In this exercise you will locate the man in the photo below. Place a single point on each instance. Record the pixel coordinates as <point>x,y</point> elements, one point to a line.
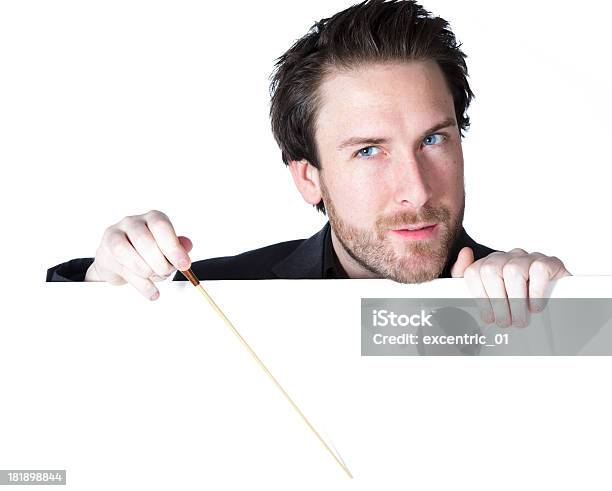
<point>368,109</point>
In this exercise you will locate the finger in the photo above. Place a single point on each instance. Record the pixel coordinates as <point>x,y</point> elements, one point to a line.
<point>143,241</point>
<point>123,252</point>
<point>474,283</point>
<point>541,272</point>
<point>516,279</point>
<point>155,278</point>
<point>166,239</point>
<point>493,281</point>
<point>144,285</point>
<point>186,243</point>
<point>108,269</point>
<point>464,259</point>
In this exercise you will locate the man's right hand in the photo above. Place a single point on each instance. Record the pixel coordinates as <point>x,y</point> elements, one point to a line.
<point>140,250</point>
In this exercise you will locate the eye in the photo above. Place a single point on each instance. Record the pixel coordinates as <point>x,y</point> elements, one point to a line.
<point>434,139</point>
<point>368,151</point>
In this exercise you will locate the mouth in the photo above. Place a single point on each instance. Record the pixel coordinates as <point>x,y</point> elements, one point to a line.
<point>417,231</point>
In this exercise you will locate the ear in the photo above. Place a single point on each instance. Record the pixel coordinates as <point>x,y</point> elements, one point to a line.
<point>306,179</point>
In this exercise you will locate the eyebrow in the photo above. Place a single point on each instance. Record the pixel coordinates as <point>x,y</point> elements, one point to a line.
<point>360,140</point>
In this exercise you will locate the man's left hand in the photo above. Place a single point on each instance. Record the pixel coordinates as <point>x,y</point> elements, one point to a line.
<point>516,280</point>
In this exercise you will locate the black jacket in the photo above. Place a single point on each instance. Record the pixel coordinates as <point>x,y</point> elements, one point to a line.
<point>295,259</point>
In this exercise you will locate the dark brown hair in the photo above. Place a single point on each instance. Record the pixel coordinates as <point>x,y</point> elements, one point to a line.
<point>372,31</point>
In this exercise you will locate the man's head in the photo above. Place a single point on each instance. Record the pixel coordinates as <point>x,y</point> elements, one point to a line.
<point>368,110</point>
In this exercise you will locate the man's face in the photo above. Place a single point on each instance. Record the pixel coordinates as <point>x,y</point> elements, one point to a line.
<point>391,162</point>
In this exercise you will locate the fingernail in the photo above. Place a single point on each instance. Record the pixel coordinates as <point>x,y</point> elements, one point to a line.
<point>155,296</point>
<point>502,322</point>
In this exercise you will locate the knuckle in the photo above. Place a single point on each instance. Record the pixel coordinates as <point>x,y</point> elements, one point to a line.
<point>115,242</point>
<point>518,250</point>
<point>156,222</point>
<point>489,269</point>
<point>471,273</point>
<point>512,270</point>
<point>167,270</point>
<point>146,271</point>
<point>156,215</point>
<point>130,221</point>
<point>116,249</point>
<point>162,269</point>
<point>108,231</point>
<point>538,267</point>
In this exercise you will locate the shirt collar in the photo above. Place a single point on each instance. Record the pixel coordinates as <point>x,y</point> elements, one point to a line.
<point>331,264</point>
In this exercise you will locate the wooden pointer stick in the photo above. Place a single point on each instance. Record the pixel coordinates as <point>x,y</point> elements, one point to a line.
<point>195,282</point>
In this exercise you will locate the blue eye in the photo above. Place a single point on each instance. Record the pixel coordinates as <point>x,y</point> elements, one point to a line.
<point>434,139</point>
<point>367,151</point>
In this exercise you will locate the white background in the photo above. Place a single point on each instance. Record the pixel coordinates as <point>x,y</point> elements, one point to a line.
<point>111,109</point>
<point>114,108</point>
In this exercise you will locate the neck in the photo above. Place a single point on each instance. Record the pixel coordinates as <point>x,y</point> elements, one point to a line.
<point>352,267</point>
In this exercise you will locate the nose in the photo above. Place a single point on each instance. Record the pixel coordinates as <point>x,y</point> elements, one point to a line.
<point>411,183</point>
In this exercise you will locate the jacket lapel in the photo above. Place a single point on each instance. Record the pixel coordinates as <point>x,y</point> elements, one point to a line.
<point>306,261</point>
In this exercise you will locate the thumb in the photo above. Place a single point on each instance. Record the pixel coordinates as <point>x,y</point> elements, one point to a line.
<point>464,259</point>
<point>186,243</point>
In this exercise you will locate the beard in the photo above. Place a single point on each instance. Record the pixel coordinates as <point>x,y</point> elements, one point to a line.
<point>409,261</point>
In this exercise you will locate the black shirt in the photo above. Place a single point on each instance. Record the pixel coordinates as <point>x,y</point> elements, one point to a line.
<point>331,264</point>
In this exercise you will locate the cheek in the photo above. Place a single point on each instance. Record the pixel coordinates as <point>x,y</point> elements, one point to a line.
<point>359,198</point>
<point>446,178</point>
<point>448,181</point>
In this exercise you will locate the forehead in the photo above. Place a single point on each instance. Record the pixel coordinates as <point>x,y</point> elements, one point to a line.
<point>410,94</point>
